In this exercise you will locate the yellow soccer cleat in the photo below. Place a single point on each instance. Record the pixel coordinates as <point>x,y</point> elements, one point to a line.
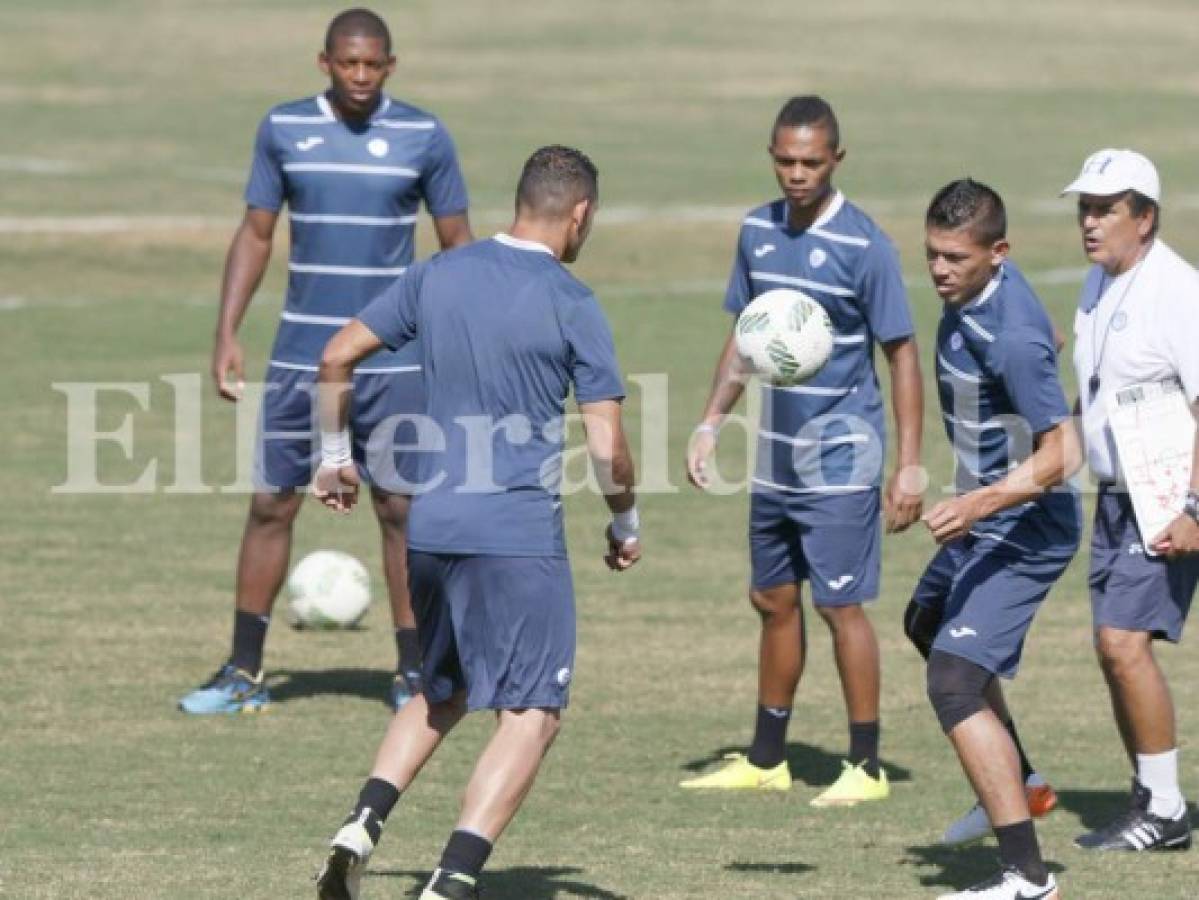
<point>854,787</point>
<point>742,775</point>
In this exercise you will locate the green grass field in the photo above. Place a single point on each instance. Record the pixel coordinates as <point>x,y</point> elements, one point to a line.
<point>127,131</point>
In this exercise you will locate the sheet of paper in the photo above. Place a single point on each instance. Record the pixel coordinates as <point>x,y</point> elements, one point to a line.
<point>1155,436</point>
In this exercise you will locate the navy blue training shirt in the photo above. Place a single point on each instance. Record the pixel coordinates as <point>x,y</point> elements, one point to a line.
<point>505,334</point>
<point>353,193</point>
<point>824,436</point>
<point>998,384</point>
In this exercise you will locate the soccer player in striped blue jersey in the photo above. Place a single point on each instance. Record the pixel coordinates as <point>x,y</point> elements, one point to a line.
<point>816,490</point>
<point>353,166</point>
<point>1010,531</point>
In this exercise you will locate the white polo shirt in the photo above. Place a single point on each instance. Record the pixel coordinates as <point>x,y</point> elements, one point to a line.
<point>1141,326</point>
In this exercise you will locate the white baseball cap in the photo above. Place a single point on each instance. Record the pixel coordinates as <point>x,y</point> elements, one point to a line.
<point>1110,172</point>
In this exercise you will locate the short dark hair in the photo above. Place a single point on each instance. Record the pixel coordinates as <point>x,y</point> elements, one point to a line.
<point>554,179</point>
<point>1139,204</point>
<point>969,204</point>
<point>358,22</point>
<point>808,109</point>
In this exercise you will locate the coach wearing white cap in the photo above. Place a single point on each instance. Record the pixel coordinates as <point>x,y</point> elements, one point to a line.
<point>1137,325</point>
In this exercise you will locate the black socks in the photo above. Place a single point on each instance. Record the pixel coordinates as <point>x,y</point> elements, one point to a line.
<point>375,803</point>
<point>863,746</point>
<point>249,636</point>
<point>769,747</point>
<point>407,650</point>
<point>1018,847</point>
<point>466,853</point>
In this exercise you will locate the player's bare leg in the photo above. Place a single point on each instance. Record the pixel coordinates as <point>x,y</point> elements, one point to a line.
<point>989,759</point>
<point>412,737</point>
<point>855,647</point>
<point>265,550</point>
<point>1140,695</point>
<point>506,769</point>
<point>392,512</point>
<point>782,648</point>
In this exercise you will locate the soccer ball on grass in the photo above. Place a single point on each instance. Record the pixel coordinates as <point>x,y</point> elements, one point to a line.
<point>328,589</point>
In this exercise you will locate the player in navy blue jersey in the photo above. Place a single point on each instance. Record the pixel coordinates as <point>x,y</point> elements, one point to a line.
<point>1011,528</point>
<point>506,334</point>
<point>816,499</point>
<point>353,166</point>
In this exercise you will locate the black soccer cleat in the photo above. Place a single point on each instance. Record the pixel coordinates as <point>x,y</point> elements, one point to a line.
<point>1139,830</point>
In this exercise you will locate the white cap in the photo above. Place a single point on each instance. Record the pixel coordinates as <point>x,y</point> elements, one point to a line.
<point>1110,172</point>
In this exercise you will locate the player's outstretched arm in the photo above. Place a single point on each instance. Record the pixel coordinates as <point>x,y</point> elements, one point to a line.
<point>336,481</point>
<point>245,263</point>
<point>728,383</point>
<point>613,464</point>
<point>903,498</point>
<point>1056,456</point>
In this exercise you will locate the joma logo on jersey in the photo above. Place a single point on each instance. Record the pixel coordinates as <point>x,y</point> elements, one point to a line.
<point>309,142</point>
<point>761,251</point>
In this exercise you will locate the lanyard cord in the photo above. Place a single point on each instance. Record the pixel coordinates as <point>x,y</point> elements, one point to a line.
<point>1097,355</point>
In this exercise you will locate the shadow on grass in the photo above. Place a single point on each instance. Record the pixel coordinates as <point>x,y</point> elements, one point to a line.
<point>292,684</point>
<point>808,763</point>
<point>959,867</point>
<point>517,883</point>
<point>1098,808</point>
<point>762,868</point>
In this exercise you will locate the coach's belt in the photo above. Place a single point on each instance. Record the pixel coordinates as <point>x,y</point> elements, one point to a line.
<point>1143,392</point>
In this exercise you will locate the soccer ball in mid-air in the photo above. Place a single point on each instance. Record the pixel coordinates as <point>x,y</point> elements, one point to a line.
<point>329,589</point>
<point>785,335</point>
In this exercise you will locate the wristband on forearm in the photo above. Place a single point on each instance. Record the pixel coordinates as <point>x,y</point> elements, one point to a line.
<point>335,449</point>
<point>626,526</point>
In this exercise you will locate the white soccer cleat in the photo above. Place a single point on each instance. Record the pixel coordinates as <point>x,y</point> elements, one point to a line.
<point>975,825</point>
<point>340,878</point>
<point>1008,885</point>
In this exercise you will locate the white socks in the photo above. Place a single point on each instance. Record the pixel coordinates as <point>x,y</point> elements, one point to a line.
<point>1159,773</point>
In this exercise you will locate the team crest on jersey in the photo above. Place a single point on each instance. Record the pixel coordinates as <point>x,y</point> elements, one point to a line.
<point>378,147</point>
<point>955,341</point>
<point>1119,320</point>
<point>817,258</point>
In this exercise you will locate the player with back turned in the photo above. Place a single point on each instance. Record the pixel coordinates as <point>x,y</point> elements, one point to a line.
<point>508,333</point>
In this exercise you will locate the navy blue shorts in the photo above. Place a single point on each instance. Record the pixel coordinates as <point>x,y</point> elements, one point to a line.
<point>986,594</point>
<point>288,450</point>
<point>501,628</point>
<point>1131,590</point>
<point>831,540</point>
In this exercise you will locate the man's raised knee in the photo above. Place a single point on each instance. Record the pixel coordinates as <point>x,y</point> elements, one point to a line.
<point>956,688</point>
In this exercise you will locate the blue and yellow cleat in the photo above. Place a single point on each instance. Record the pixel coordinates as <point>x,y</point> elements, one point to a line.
<point>231,690</point>
<point>404,687</point>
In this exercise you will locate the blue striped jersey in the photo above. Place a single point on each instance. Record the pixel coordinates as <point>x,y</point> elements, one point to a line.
<point>998,384</point>
<point>352,194</point>
<point>826,435</point>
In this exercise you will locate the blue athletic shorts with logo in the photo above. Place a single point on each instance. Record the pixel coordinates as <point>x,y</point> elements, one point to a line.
<point>1131,590</point>
<point>831,540</point>
<point>288,449</point>
<point>987,593</point>
<point>501,628</point>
